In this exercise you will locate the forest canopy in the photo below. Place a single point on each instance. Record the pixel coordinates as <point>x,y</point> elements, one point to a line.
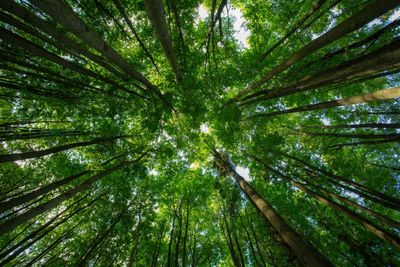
<point>199,133</point>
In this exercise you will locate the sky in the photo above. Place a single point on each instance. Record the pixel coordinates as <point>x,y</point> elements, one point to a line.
<point>241,32</point>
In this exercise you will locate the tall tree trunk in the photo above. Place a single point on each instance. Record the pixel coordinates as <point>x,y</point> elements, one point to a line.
<point>355,135</point>
<point>49,151</point>
<point>385,199</point>
<point>134,32</point>
<point>384,219</point>
<point>314,8</point>
<point>381,60</point>
<point>43,53</point>
<point>171,235</point>
<point>371,11</point>
<point>178,237</point>
<point>249,239</point>
<point>158,246</point>
<point>9,204</point>
<point>229,240</point>
<point>24,217</point>
<point>367,224</point>
<point>40,233</point>
<point>185,236</point>
<point>48,28</point>
<point>304,250</point>
<point>371,38</point>
<point>156,14</point>
<point>62,13</point>
<point>83,261</point>
<point>385,94</point>
<point>365,143</point>
<point>51,246</point>
<point>357,126</point>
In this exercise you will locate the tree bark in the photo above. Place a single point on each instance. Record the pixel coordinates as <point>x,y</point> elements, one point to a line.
<point>383,59</point>
<point>304,250</point>
<point>357,126</point>
<point>62,13</point>
<point>367,224</point>
<point>373,37</point>
<point>314,8</point>
<point>158,246</point>
<point>48,28</point>
<point>380,95</point>
<point>156,14</point>
<point>171,235</point>
<point>134,32</point>
<point>184,253</point>
<point>24,217</point>
<point>365,191</point>
<point>49,151</point>
<point>9,204</point>
<point>371,11</point>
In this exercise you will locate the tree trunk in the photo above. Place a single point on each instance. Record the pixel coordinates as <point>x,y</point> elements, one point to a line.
<point>171,235</point>
<point>61,12</point>
<point>43,53</point>
<point>366,143</point>
<point>98,239</point>
<point>314,8</point>
<point>9,204</point>
<point>373,37</point>
<point>357,126</point>
<point>49,151</point>
<point>394,202</point>
<point>371,11</point>
<point>135,34</point>
<point>383,59</point>
<point>367,224</point>
<point>156,14</point>
<point>355,135</point>
<point>48,28</point>
<point>178,238</point>
<point>24,217</point>
<point>39,233</point>
<point>184,253</point>
<point>158,246</point>
<point>385,94</point>
<point>304,250</point>
<point>384,219</point>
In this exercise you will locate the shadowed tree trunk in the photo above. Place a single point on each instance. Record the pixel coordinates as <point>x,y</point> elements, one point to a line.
<point>156,14</point>
<point>367,224</point>
<point>381,60</point>
<point>371,11</point>
<point>134,32</point>
<point>385,94</point>
<point>11,224</point>
<point>61,12</point>
<point>304,251</point>
<point>314,8</point>
<point>9,204</point>
<point>49,151</point>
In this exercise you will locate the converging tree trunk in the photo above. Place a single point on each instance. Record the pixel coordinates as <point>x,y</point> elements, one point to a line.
<point>49,151</point>
<point>156,14</point>
<point>305,252</point>
<point>385,94</point>
<point>371,11</point>
<point>11,224</point>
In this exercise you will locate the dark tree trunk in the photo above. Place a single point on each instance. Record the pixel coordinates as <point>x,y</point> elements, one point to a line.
<point>304,250</point>
<point>49,151</point>
<point>156,14</point>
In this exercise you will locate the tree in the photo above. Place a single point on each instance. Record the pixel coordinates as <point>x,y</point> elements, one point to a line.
<point>151,133</point>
